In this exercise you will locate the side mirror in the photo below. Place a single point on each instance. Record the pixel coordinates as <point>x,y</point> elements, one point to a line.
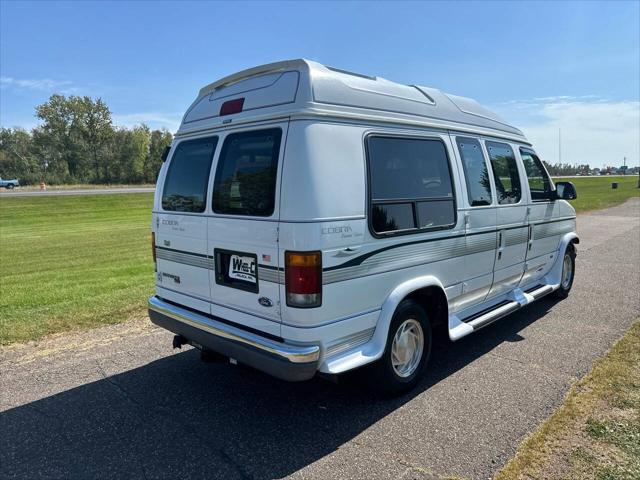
<point>566,191</point>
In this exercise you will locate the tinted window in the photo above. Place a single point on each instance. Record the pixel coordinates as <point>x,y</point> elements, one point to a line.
<point>539,182</point>
<point>408,168</point>
<point>431,214</point>
<point>410,184</point>
<point>185,187</point>
<point>392,216</point>
<point>505,173</point>
<point>245,182</point>
<point>475,172</point>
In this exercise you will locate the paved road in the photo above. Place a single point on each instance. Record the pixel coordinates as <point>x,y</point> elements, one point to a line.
<point>87,191</point>
<point>116,402</point>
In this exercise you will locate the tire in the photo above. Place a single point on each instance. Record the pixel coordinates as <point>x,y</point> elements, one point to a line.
<point>399,370</point>
<point>10,186</point>
<point>568,265</point>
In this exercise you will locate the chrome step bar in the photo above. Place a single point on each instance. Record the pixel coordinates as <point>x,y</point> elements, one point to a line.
<point>493,315</point>
<point>541,292</point>
<point>460,327</point>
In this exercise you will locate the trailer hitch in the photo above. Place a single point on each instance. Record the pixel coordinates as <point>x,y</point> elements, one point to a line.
<point>178,341</point>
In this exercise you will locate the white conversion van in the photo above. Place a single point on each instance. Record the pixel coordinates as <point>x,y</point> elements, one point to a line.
<point>309,219</point>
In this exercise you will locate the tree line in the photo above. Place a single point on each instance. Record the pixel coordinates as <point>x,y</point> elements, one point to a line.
<point>76,142</point>
<point>564,169</point>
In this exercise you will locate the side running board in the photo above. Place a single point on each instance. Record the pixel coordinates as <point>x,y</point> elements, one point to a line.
<point>541,292</point>
<point>461,327</point>
<point>492,315</point>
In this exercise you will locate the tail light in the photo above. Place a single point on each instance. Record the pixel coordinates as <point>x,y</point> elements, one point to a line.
<point>153,246</point>
<point>303,279</point>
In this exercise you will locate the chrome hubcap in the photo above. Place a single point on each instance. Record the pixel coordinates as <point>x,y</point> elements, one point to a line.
<point>407,348</point>
<point>567,271</point>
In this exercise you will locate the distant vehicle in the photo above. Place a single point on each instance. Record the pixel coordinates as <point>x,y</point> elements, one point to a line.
<point>9,184</point>
<point>308,219</point>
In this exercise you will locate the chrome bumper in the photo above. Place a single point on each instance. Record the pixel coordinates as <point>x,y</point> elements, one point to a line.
<point>282,360</point>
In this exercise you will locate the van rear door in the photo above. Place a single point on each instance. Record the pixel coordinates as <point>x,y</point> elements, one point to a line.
<point>243,229</point>
<point>181,224</point>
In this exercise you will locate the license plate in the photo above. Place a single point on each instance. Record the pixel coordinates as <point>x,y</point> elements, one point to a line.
<point>242,268</point>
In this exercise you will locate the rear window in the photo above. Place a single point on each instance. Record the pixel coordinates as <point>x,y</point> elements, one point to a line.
<point>245,182</point>
<point>185,187</point>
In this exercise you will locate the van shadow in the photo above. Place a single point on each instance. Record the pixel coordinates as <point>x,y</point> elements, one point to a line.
<point>179,417</point>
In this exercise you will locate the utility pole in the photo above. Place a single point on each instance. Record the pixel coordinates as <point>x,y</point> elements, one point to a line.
<point>559,148</point>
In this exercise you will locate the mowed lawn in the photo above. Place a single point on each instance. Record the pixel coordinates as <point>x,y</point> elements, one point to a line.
<point>80,261</point>
<point>596,192</point>
<point>72,262</point>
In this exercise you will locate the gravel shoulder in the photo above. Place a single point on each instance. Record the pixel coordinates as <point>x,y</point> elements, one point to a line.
<point>117,402</point>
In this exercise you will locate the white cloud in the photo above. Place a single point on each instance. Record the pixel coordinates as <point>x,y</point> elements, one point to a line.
<point>170,121</point>
<point>594,130</point>
<point>64,86</point>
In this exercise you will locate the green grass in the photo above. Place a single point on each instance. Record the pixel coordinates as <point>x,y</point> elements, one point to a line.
<point>595,434</point>
<point>85,186</point>
<point>596,192</point>
<point>80,261</point>
<point>72,262</point>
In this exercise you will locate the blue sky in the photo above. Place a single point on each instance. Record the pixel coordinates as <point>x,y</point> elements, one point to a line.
<point>542,66</point>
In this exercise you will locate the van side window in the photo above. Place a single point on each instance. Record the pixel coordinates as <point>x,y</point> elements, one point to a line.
<point>185,187</point>
<point>475,171</point>
<point>505,173</point>
<point>539,182</point>
<point>410,184</point>
<point>245,182</point>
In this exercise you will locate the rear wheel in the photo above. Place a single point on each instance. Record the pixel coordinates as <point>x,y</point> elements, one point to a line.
<point>406,353</point>
<point>10,186</point>
<point>568,272</point>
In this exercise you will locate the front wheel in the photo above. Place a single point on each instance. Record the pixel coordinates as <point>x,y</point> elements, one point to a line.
<point>406,353</point>
<point>568,272</point>
<point>10,186</point>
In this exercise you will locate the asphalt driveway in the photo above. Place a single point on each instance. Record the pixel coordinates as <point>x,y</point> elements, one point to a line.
<point>117,402</point>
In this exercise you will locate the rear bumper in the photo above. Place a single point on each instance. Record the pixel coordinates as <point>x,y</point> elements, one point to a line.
<point>282,360</point>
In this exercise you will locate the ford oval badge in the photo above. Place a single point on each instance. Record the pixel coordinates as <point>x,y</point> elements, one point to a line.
<point>265,302</point>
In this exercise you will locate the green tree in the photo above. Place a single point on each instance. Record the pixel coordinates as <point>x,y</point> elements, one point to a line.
<point>77,142</point>
<point>160,139</point>
<point>56,138</point>
<point>17,156</point>
<point>75,131</point>
<point>96,129</point>
<point>132,150</point>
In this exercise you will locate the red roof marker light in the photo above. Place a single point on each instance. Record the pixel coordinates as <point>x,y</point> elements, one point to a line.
<point>232,106</point>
